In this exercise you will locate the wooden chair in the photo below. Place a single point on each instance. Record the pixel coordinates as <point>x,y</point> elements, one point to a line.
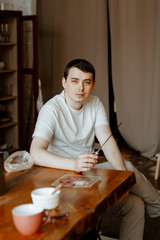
<point>157,166</point>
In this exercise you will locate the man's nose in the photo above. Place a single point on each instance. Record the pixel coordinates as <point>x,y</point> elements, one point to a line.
<point>80,85</point>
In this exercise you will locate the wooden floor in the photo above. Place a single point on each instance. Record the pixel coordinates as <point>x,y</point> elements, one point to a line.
<point>111,224</point>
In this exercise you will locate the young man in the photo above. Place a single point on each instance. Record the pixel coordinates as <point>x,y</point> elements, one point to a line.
<point>64,138</point>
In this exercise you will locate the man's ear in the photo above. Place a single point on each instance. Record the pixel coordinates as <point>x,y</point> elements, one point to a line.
<point>64,82</point>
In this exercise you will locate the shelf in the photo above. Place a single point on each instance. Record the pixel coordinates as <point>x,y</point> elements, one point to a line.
<point>7,98</point>
<point>5,146</point>
<point>10,80</point>
<point>8,124</point>
<point>9,44</point>
<point>7,71</point>
<point>10,149</point>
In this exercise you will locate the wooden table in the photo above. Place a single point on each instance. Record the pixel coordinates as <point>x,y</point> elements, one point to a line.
<point>86,206</point>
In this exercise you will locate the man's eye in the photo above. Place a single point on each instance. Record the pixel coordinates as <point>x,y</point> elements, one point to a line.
<point>74,81</point>
<point>87,82</point>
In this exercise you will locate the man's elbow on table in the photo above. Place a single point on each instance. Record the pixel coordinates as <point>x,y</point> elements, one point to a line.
<point>38,146</point>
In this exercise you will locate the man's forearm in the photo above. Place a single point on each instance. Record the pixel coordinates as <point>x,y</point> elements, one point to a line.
<point>45,158</point>
<point>113,155</point>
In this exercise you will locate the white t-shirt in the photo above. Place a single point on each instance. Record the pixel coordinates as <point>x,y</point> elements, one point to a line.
<point>70,132</point>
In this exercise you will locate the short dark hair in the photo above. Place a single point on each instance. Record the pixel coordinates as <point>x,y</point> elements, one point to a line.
<point>81,64</point>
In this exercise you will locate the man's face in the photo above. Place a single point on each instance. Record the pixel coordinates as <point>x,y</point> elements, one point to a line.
<point>78,87</point>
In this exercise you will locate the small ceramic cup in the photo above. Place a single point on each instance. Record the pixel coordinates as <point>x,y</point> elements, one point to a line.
<point>44,198</point>
<point>28,218</point>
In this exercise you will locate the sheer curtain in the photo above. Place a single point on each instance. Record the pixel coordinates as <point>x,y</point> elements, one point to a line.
<point>135,40</point>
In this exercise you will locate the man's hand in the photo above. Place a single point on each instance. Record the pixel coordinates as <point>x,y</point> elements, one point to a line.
<point>85,162</point>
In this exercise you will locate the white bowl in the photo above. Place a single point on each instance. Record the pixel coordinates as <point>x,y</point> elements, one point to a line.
<point>42,197</point>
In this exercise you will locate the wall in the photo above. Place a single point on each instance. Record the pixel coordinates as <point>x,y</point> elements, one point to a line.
<point>27,6</point>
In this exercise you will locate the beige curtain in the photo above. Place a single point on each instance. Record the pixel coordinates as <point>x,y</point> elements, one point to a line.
<point>135,41</point>
<point>71,29</point>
